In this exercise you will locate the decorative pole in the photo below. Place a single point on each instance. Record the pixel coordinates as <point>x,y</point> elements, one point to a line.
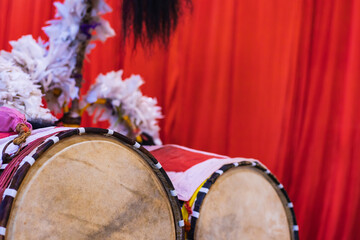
<point>81,41</point>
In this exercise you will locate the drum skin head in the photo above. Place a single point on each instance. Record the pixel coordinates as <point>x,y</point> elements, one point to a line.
<point>243,204</point>
<point>91,187</point>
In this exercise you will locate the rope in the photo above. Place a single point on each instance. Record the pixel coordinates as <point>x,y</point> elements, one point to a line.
<point>23,132</point>
<point>189,211</point>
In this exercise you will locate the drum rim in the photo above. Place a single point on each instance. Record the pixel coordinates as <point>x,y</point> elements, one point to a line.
<point>21,172</point>
<point>294,229</point>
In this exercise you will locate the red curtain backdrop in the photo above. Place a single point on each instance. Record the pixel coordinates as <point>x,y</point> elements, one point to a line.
<point>273,80</point>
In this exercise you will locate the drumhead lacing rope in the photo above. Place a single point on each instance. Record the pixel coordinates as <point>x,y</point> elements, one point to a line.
<point>11,167</point>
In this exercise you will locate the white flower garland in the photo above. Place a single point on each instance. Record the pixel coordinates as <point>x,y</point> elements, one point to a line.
<point>124,100</point>
<point>33,65</point>
<point>51,64</point>
<point>19,92</point>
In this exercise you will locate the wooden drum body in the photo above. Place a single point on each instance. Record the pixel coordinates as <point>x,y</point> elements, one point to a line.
<point>90,187</point>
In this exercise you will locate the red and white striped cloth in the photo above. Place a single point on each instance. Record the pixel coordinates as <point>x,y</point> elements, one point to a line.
<point>188,168</point>
<point>35,134</point>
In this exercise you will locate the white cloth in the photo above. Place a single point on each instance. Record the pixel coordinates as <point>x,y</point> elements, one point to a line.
<point>186,183</point>
<point>198,168</point>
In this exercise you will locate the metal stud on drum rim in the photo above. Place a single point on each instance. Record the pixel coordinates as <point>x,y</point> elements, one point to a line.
<point>159,185</point>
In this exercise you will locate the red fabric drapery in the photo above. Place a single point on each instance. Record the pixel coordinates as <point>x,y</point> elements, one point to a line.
<point>273,80</point>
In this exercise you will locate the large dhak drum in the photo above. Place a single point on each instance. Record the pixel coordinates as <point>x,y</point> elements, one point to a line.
<point>228,198</point>
<point>84,184</point>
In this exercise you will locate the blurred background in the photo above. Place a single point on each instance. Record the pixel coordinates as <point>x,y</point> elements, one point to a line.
<point>275,80</point>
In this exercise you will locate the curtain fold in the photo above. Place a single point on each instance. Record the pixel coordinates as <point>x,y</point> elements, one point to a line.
<point>273,80</point>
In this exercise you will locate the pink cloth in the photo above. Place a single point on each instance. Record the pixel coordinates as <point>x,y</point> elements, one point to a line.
<point>10,118</point>
<point>4,135</point>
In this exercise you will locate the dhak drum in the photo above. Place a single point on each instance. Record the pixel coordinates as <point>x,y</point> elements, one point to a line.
<point>85,184</point>
<point>228,198</point>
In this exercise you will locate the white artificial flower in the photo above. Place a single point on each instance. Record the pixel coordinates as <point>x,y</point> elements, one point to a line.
<point>126,100</point>
<point>19,92</point>
<point>51,64</point>
<point>50,68</point>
